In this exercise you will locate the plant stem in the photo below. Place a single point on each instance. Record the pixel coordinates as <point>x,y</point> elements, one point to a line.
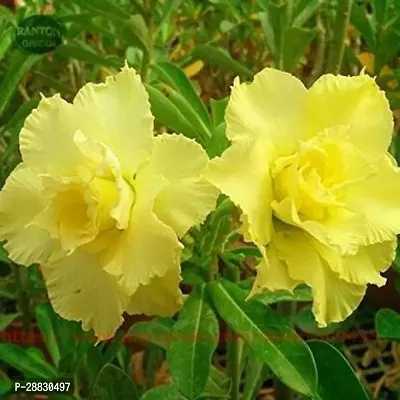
<point>337,45</point>
<point>234,346</point>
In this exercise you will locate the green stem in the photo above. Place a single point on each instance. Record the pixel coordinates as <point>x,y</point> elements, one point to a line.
<point>234,345</point>
<point>337,45</point>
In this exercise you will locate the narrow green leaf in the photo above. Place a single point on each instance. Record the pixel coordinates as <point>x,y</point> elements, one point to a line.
<point>305,321</point>
<point>360,20</point>
<point>180,102</point>
<point>256,372</point>
<point>268,31</point>
<point>218,108</point>
<point>7,14</point>
<point>167,11</point>
<point>300,294</point>
<point>6,319</point>
<point>6,384</point>
<point>387,48</point>
<point>387,324</point>
<point>195,338</point>
<point>218,142</point>
<point>380,9</point>
<point>107,8</point>
<point>220,58</point>
<point>168,114</point>
<point>46,319</point>
<point>136,33</point>
<point>6,40</point>
<point>336,379</point>
<point>3,254</point>
<point>305,10</point>
<point>21,360</point>
<point>157,331</point>
<point>53,83</point>
<point>275,342</point>
<point>162,392</point>
<point>82,54</point>
<point>295,44</point>
<point>19,68</point>
<point>176,78</point>
<point>113,383</point>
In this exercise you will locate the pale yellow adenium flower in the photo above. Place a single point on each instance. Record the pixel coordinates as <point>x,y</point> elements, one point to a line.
<point>320,194</point>
<point>100,203</point>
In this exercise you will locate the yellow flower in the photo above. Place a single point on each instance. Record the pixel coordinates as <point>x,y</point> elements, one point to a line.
<point>101,203</point>
<point>319,194</point>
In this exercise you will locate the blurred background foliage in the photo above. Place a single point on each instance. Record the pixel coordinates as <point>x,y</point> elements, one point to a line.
<point>188,53</point>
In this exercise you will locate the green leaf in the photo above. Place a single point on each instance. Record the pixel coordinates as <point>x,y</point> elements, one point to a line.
<point>218,108</point>
<point>21,360</point>
<point>218,142</point>
<point>387,324</point>
<point>180,102</point>
<point>53,83</point>
<point>6,40</point>
<point>6,319</point>
<point>304,11</point>
<point>168,114</point>
<point>90,56</point>
<point>336,379</point>
<point>158,332</point>
<point>360,20</point>
<point>387,48</point>
<point>295,43</point>
<point>47,321</point>
<point>6,385</point>
<point>220,58</point>
<point>194,340</point>
<point>3,254</point>
<point>300,293</point>
<point>268,31</point>
<point>256,372</point>
<point>268,335</point>
<point>167,11</point>
<point>306,322</point>
<point>161,393</point>
<point>113,383</point>
<point>176,78</point>
<point>16,71</point>
<point>106,8</point>
<point>380,9</point>
<point>136,33</point>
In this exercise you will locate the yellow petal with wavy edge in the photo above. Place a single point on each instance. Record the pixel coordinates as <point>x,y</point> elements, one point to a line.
<point>363,267</point>
<point>21,201</point>
<point>377,199</point>
<point>80,290</point>
<point>271,106</point>
<point>117,114</point>
<point>161,296</point>
<point>147,248</point>
<point>47,138</point>
<point>242,174</point>
<point>272,274</point>
<point>187,198</point>
<point>334,298</point>
<point>356,102</point>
